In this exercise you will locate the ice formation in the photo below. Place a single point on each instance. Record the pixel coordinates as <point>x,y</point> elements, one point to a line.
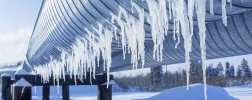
<point>211,7</point>
<point>159,25</point>
<point>132,33</point>
<point>89,50</point>
<point>224,15</point>
<point>201,10</point>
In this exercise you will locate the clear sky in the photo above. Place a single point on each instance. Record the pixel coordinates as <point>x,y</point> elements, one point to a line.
<point>17,18</point>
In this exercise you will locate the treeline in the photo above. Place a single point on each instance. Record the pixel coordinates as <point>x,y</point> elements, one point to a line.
<point>157,79</point>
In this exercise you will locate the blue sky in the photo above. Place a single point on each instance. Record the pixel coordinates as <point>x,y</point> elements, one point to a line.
<point>16,14</point>
<point>17,18</point>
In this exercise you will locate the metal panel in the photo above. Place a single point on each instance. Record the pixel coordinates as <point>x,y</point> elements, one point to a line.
<point>61,21</point>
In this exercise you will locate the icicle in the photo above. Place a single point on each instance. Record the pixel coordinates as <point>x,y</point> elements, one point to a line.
<point>159,25</point>
<point>224,15</point>
<point>211,7</point>
<point>200,10</point>
<point>170,9</point>
<point>230,4</point>
<point>132,33</point>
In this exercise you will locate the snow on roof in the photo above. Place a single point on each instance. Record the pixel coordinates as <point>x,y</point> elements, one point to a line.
<point>21,72</point>
<point>22,82</point>
<point>5,74</point>
<point>111,82</point>
<point>195,92</point>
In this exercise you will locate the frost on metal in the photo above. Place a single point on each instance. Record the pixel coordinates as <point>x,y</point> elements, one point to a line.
<point>87,51</point>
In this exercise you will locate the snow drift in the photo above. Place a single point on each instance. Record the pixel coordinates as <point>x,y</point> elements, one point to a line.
<point>195,92</point>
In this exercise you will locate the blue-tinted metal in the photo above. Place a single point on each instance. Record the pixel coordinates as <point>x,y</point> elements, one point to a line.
<point>61,21</point>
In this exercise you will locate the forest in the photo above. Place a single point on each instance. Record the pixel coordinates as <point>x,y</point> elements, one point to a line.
<point>223,75</point>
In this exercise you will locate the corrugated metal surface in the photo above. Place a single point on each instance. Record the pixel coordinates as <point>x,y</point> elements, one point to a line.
<point>61,21</point>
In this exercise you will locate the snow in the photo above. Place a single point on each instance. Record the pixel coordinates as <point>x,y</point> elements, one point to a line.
<point>22,82</point>
<point>195,93</point>
<point>21,72</point>
<point>111,82</point>
<point>89,92</point>
<point>240,92</point>
<point>5,74</point>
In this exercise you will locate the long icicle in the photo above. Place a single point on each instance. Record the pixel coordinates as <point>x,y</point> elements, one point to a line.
<point>201,12</point>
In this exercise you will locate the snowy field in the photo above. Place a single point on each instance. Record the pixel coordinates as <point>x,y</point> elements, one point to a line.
<point>195,92</point>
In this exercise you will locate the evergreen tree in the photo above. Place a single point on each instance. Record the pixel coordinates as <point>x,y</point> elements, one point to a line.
<point>227,70</point>
<point>239,71</point>
<point>210,71</point>
<point>184,75</point>
<point>245,68</point>
<point>232,70</point>
<point>156,74</point>
<point>219,68</point>
<point>193,70</point>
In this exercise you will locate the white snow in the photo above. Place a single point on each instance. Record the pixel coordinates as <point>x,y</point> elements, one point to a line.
<point>22,82</point>
<point>21,72</point>
<point>111,82</point>
<point>5,74</point>
<point>195,93</point>
<point>240,92</point>
<point>179,93</point>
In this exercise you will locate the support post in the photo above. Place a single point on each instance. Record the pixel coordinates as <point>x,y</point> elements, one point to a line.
<point>46,92</point>
<point>22,90</point>
<point>65,92</point>
<point>104,93</point>
<point>6,86</point>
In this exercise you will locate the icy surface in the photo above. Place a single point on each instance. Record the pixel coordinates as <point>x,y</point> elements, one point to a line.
<point>22,82</point>
<point>21,72</point>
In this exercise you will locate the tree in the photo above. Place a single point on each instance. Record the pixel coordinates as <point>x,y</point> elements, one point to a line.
<point>232,70</point>
<point>156,74</point>
<point>195,70</point>
<point>210,71</point>
<point>239,71</point>
<point>219,68</point>
<point>246,69</point>
<point>227,69</point>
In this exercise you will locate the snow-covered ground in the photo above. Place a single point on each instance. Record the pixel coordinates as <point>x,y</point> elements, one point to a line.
<point>195,92</point>
<point>240,92</point>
